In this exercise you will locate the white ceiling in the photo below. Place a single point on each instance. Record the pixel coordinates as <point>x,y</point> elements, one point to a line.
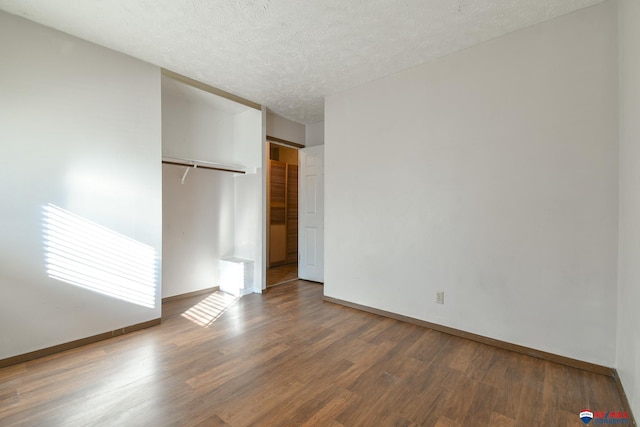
<point>289,54</point>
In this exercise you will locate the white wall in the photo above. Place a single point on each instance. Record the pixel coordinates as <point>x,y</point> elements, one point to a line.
<point>628,342</point>
<point>198,216</point>
<point>195,124</point>
<point>249,193</point>
<point>214,214</point>
<point>490,174</point>
<point>80,129</point>
<point>248,139</point>
<point>198,228</point>
<point>282,128</point>
<point>314,134</point>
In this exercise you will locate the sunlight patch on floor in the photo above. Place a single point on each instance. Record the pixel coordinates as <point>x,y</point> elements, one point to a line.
<point>209,309</point>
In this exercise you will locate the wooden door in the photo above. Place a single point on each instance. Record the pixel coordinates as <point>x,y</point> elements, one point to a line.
<point>292,213</point>
<point>277,213</point>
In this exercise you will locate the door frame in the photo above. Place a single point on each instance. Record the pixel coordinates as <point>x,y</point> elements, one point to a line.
<point>266,217</point>
<point>311,221</point>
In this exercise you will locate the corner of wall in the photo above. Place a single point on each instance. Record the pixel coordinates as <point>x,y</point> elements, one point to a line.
<point>628,318</point>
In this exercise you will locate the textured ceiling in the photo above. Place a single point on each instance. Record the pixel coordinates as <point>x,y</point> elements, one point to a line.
<point>289,54</point>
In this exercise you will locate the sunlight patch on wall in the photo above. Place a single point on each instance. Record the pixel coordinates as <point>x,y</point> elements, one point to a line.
<point>209,309</point>
<point>88,255</point>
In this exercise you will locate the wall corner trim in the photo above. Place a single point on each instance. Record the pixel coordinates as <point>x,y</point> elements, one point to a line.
<point>567,361</point>
<point>207,88</point>
<point>623,396</point>
<point>21,358</point>
<point>206,291</point>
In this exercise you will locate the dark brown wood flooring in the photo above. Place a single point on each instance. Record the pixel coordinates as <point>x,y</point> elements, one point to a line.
<point>287,358</point>
<point>281,274</point>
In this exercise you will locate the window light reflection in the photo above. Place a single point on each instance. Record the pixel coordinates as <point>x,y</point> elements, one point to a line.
<point>88,255</point>
<point>209,309</point>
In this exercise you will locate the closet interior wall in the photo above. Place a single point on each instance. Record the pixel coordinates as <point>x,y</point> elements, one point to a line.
<point>212,214</point>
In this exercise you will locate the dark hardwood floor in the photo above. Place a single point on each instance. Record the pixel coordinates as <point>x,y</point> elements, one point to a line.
<point>281,274</point>
<point>286,358</point>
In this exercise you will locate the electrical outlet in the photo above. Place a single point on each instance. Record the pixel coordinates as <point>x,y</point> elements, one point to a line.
<point>440,297</point>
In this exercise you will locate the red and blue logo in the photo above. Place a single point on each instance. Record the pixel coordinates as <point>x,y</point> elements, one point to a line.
<point>602,417</point>
<point>586,416</point>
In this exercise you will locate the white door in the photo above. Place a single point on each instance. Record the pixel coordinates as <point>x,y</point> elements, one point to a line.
<point>311,214</point>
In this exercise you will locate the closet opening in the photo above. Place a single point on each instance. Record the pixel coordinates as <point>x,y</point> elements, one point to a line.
<point>212,183</point>
<point>282,214</point>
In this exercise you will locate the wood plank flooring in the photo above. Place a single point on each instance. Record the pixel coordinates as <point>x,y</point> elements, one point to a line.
<point>281,274</point>
<point>286,358</point>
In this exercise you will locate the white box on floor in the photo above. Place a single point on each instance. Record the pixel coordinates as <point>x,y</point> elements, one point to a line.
<point>236,276</point>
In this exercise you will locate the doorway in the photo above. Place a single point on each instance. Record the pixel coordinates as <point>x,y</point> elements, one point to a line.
<point>282,215</point>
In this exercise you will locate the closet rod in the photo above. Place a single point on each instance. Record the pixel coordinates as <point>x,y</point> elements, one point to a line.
<point>199,165</point>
